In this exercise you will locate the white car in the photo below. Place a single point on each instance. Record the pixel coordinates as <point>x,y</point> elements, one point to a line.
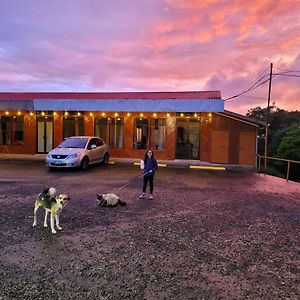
<point>78,152</point>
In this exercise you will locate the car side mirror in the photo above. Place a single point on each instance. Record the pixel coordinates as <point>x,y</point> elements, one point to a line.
<point>93,146</point>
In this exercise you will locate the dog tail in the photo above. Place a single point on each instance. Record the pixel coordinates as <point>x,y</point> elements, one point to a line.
<point>122,203</point>
<point>52,191</point>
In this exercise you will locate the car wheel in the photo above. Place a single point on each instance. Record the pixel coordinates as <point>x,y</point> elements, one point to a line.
<point>84,163</point>
<point>105,159</point>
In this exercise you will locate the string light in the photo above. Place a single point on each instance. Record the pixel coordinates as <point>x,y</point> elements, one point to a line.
<point>43,114</point>
<point>182,115</point>
<point>31,113</point>
<point>78,114</point>
<point>195,115</point>
<point>128,114</point>
<point>103,114</point>
<point>66,113</point>
<point>19,113</point>
<point>209,115</point>
<point>7,113</point>
<point>116,114</point>
<point>141,115</point>
<point>91,114</point>
<point>155,114</point>
<point>168,115</point>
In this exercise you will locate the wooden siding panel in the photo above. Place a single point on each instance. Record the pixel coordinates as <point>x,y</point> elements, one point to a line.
<point>58,129</point>
<point>205,138</point>
<point>89,128</point>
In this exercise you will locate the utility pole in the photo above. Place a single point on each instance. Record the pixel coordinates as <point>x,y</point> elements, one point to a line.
<point>268,117</point>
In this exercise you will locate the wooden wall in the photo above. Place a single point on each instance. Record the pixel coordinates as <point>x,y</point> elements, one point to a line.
<point>129,151</point>
<point>29,145</point>
<point>240,148</point>
<point>214,130</point>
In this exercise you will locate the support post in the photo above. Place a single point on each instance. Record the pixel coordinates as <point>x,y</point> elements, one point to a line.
<point>268,117</point>
<point>288,171</point>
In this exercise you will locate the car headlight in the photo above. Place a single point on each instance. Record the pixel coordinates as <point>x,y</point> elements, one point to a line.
<point>48,155</point>
<point>73,155</point>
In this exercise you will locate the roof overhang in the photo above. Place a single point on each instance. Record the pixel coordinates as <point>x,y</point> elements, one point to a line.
<point>121,105</point>
<point>242,118</point>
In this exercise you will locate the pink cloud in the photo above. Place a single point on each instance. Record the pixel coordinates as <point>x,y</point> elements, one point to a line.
<point>152,45</point>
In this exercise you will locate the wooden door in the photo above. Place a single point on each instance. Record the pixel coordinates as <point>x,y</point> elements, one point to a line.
<point>219,146</point>
<point>247,148</point>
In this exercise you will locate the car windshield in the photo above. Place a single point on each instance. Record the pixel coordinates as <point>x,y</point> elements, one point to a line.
<point>74,143</point>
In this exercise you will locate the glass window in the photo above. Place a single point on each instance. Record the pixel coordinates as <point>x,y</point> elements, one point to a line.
<point>159,134</point>
<point>111,130</point>
<point>73,126</point>
<point>11,130</point>
<point>117,133</point>
<point>141,133</point>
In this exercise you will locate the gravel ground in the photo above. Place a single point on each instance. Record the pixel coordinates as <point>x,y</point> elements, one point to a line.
<point>206,235</point>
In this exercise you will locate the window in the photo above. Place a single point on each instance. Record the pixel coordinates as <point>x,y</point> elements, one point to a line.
<point>11,130</point>
<point>141,133</point>
<point>159,134</point>
<point>111,130</point>
<point>73,126</point>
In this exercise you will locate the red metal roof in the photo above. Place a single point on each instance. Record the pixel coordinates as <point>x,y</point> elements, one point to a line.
<point>111,95</point>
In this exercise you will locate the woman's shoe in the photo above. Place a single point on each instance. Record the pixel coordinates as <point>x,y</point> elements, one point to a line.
<point>151,197</point>
<point>142,195</point>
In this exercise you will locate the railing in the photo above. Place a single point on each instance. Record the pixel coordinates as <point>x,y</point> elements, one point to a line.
<point>276,158</point>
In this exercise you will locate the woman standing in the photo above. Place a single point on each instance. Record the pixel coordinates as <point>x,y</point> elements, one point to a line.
<point>149,165</point>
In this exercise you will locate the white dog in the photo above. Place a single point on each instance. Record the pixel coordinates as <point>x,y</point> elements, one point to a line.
<point>109,200</point>
<point>51,203</point>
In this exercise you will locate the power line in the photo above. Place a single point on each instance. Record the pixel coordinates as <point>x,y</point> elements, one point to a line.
<point>287,75</point>
<point>288,71</point>
<point>251,88</point>
<point>256,85</point>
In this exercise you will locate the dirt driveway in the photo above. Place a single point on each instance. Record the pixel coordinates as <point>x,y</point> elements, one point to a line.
<point>206,235</point>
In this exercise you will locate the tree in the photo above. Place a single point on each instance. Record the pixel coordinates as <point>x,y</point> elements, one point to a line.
<point>289,148</point>
<point>279,120</point>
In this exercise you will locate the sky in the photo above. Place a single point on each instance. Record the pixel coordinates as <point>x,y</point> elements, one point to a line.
<point>154,45</point>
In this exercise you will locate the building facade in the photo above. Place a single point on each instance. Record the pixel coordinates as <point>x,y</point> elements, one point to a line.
<point>176,125</point>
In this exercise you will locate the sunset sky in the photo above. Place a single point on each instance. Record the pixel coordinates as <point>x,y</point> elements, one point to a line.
<point>153,45</point>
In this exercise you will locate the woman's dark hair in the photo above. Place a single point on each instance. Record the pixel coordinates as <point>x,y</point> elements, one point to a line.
<point>146,154</point>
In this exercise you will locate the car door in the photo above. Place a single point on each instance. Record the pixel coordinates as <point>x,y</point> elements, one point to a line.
<point>92,151</point>
<point>100,149</point>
